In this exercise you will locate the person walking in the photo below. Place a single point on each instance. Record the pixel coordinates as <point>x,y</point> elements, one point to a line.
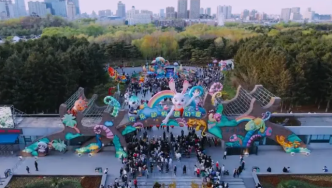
<point>184,169</point>
<point>225,154</point>
<point>234,173</point>
<point>223,169</point>
<point>135,183</point>
<point>36,165</point>
<point>241,159</point>
<point>28,169</point>
<point>174,169</point>
<point>242,165</point>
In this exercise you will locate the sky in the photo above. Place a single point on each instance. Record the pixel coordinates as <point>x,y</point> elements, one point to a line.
<point>267,6</point>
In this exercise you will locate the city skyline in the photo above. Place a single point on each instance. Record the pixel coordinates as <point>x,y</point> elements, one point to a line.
<point>319,6</point>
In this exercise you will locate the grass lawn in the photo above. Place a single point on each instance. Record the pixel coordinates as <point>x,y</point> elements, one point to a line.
<point>296,181</point>
<point>53,181</point>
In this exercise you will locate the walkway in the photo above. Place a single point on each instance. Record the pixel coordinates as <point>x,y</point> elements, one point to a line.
<point>71,164</point>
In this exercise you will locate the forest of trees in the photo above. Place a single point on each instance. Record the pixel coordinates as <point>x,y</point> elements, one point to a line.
<point>294,61</point>
<point>295,65</point>
<point>36,76</point>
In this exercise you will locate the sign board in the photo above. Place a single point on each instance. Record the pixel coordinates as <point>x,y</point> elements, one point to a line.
<point>11,131</point>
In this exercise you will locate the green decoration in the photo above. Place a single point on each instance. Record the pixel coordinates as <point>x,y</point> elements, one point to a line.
<point>70,136</point>
<point>128,130</point>
<point>119,152</point>
<point>59,145</point>
<point>69,120</point>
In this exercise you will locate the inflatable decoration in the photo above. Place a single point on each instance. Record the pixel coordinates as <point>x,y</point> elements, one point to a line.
<point>113,73</point>
<point>133,103</point>
<point>179,100</point>
<point>216,87</point>
<point>111,101</point>
<point>79,106</point>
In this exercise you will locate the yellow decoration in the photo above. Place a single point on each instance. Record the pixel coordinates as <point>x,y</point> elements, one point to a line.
<point>199,124</point>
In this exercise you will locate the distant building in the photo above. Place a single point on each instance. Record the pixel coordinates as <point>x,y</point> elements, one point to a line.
<point>170,13</point>
<point>20,9</point>
<point>182,9</point>
<point>309,15</point>
<point>77,6</point>
<point>38,8</point>
<point>71,10</point>
<point>121,12</point>
<point>208,11</point>
<point>195,6</point>
<point>162,13</point>
<point>226,11</point>
<point>201,11</point>
<point>57,7</point>
<point>7,9</point>
<point>285,14</point>
<point>295,16</point>
<point>244,14</point>
<point>296,10</point>
<point>135,17</point>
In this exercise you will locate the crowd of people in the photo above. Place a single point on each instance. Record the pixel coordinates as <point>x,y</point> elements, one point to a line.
<point>152,84</point>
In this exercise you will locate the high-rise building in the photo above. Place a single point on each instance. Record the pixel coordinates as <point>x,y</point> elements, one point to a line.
<point>162,13</point>
<point>135,17</point>
<point>7,9</point>
<point>71,10</point>
<point>37,9</point>
<point>201,11</point>
<point>296,10</point>
<point>121,12</point>
<point>170,12</point>
<point>309,14</point>
<point>20,8</point>
<point>285,14</point>
<point>195,6</point>
<point>208,11</point>
<point>244,14</point>
<point>57,7</point>
<point>226,11</point>
<point>77,6</point>
<point>182,9</point>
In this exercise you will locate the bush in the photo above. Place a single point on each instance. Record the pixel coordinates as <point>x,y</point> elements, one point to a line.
<point>296,184</point>
<point>39,185</point>
<point>69,184</point>
<point>156,185</point>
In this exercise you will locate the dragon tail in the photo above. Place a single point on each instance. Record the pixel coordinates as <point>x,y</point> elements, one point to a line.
<point>247,137</point>
<point>252,139</point>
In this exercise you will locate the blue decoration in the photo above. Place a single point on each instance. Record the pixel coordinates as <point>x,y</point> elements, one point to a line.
<point>108,123</point>
<point>193,89</point>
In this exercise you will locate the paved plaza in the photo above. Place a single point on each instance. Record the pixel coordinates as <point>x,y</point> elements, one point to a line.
<point>70,164</point>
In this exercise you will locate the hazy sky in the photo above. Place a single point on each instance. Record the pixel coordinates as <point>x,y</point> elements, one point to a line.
<point>267,6</point>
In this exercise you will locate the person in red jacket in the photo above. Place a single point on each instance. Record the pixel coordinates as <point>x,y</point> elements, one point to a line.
<point>198,172</point>
<point>135,183</point>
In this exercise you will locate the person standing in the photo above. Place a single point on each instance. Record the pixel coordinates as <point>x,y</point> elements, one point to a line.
<point>223,169</point>
<point>241,159</point>
<point>242,165</point>
<point>135,183</point>
<point>184,169</point>
<point>28,169</point>
<point>225,154</point>
<point>174,169</point>
<point>36,165</point>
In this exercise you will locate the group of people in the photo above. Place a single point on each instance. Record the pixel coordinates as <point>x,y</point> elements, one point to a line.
<point>152,84</point>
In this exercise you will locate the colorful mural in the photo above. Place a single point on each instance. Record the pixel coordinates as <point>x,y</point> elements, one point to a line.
<point>199,108</point>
